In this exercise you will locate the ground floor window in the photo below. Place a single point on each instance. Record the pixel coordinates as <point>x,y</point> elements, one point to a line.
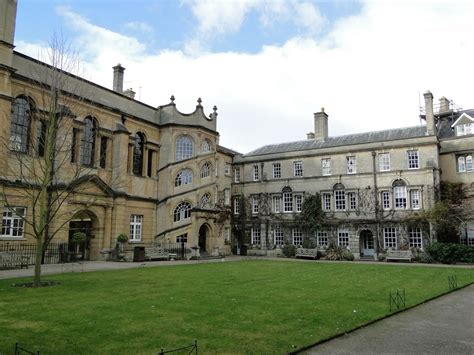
<point>183,238</point>
<point>136,227</point>
<point>256,236</point>
<point>416,238</point>
<point>467,236</point>
<point>278,238</point>
<point>343,238</point>
<point>297,237</point>
<point>227,235</point>
<point>322,239</point>
<point>389,238</point>
<point>12,222</point>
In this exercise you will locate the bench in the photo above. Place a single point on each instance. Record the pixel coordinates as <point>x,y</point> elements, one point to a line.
<point>154,253</point>
<point>399,255</point>
<point>306,253</point>
<point>12,260</point>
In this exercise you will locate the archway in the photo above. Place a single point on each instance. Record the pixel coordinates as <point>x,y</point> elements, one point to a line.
<point>203,235</point>
<point>367,245</point>
<point>84,222</point>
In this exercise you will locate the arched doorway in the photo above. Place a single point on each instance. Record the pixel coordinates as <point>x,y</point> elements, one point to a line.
<point>367,245</point>
<point>203,235</point>
<point>83,222</point>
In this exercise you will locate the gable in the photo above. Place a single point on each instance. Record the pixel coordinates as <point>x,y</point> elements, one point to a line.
<point>463,119</point>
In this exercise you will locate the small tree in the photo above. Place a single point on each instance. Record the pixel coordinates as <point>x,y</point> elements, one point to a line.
<point>312,216</point>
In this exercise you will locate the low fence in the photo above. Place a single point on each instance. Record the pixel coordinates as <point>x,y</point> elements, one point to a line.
<point>180,249</point>
<point>56,252</point>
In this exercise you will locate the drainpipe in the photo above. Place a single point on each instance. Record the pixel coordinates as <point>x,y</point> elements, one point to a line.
<point>376,201</point>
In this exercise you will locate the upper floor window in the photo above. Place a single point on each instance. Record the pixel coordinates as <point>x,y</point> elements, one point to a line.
<point>385,197</point>
<point>227,169</point>
<point>327,201</point>
<point>384,162</point>
<point>339,197</point>
<point>352,200</point>
<point>20,124</point>
<point>236,205</point>
<point>255,172</point>
<point>205,170</point>
<point>184,148</point>
<point>206,146</point>
<point>182,211</point>
<point>287,201</point>
<point>13,222</point>
<point>205,201</point>
<point>298,168</point>
<point>326,166</point>
<point>138,154</point>
<point>415,199</point>
<point>237,175</point>
<point>413,159</point>
<point>400,194</point>
<point>276,204</point>
<point>465,163</point>
<point>276,170</point>
<point>226,197</point>
<point>351,164</point>
<point>41,129</point>
<point>88,141</point>
<point>464,129</point>
<point>184,177</point>
<point>255,205</point>
<point>299,203</point>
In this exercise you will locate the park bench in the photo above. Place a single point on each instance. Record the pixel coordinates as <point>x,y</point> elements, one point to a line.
<point>12,260</point>
<point>306,253</point>
<point>157,253</point>
<point>399,255</point>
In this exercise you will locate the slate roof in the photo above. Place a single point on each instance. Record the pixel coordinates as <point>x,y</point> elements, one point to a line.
<point>351,139</point>
<point>444,126</point>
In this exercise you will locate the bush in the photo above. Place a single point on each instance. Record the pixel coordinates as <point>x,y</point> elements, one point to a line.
<point>425,258</point>
<point>122,238</point>
<point>338,253</point>
<point>450,253</point>
<point>289,250</point>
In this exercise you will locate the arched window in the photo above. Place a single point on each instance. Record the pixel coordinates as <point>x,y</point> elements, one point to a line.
<point>20,124</point>
<point>287,199</point>
<point>138,154</point>
<point>182,211</point>
<point>184,177</point>
<point>206,146</point>
<point>339,197</point>
<point>184,148</point>
<point>469,166</point>
<point>461,164</point>
<point>88,141</point>
<point>205,170</point>
<point>400,194</point>
<point>205,201</point>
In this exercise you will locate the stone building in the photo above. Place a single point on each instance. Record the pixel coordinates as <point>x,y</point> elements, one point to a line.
<point>371,184</point>
<point>152,173</point>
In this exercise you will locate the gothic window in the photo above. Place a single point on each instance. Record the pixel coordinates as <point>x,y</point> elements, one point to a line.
<point>20,124</point>
<point>184,148</point>
<point>184,177</point>
<point>205,170</point>
<point>206,146</point>
<point>88,141</point>
<point>182,211</point>
<point>206,200</point>
<point>138,154</point>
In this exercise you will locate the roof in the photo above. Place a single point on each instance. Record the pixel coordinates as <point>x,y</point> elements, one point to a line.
<point>445,125</point>
<point>226,150</point>
<point>351,139</point>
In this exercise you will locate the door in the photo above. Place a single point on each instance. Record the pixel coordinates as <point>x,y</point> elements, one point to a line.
<point>202,238</point>
<point>368,244</point>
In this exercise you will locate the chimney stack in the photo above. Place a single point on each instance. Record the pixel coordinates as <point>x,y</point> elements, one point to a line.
<point>430,120</point>
<point>321,125</point>
<point>130,93</point>
<point>443,105</point>
<point>7,21</point>
<point>118,78</point>
<point>310,135</point>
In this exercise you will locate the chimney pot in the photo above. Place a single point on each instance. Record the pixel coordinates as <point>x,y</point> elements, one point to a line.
<point>310,135</point>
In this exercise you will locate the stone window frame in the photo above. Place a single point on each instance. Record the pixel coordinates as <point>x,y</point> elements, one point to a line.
<point>255,204</point>
<point>22,112</point>
<point>276,170</point>
<point>136,227</point>
<point>415,238</point>
<point>297,236</point>
<point>413,159</point>
<point>255,172</point>
<point>351,162</point>
<point>237,174</point>
<point>184,177</point>
<point>384,162</point>
<point>182,211</point>
<point>13,222</point>
<point>297,168</point>
<point>278,235</point>
<point>184,147</point>
<point>343,237</point>
<point>390,237</point>
<point>256,235</point>
<point>326,167</point>
<point>236,205</point>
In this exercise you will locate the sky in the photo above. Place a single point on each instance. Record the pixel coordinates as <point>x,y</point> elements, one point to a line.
<point>269,65</point>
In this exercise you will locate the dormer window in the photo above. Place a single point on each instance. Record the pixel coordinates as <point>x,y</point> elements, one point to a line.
<point>464,125</point>
<point>464,129</point>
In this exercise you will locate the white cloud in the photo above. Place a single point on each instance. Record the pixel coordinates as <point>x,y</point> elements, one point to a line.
<point>367,72</point>
<point>139,26</point>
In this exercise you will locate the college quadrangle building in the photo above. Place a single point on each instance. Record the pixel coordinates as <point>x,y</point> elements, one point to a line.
<point>160,176</point>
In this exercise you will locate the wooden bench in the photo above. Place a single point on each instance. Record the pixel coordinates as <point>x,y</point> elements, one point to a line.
<point>12,260</point>
<point>306,253</point>
<point>158,253</point>
<point>399,255</point>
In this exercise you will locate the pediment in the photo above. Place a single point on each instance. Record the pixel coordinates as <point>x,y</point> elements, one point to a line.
<point>92,184</point>
<point>463,119</point>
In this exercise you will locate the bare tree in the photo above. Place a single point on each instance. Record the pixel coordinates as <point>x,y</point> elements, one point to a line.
<point>44,173</point>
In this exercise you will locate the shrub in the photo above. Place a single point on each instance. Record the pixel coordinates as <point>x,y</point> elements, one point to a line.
<point>338,253</point>
<point>425,258</point>
<point>122,238</point>
<point>79,237</point>
<point>289,250</point>
<point>450,253</point>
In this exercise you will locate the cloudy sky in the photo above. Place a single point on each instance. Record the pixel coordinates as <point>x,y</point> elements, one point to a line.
<point>268,65</point>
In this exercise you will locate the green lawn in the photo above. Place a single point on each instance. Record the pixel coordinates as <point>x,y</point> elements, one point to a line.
<point>235,307</point>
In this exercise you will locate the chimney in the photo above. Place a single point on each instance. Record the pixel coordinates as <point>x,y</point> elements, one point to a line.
<point>320,125</point>
<point>118,78</point>
<point>7,20</point>
<point>310,135</point>
<point>130,93</point>
<point>443,105</point>
<point>430,121</point>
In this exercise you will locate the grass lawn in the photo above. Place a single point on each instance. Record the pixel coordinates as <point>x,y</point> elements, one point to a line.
<point>255,307</point>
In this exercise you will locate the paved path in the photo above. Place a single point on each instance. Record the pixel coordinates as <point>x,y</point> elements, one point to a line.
<point>442,326</point>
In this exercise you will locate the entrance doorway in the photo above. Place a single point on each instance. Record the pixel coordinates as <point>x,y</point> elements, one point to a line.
<point>203,234</point>
<point>367,243</point>
<point>83,222</point>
